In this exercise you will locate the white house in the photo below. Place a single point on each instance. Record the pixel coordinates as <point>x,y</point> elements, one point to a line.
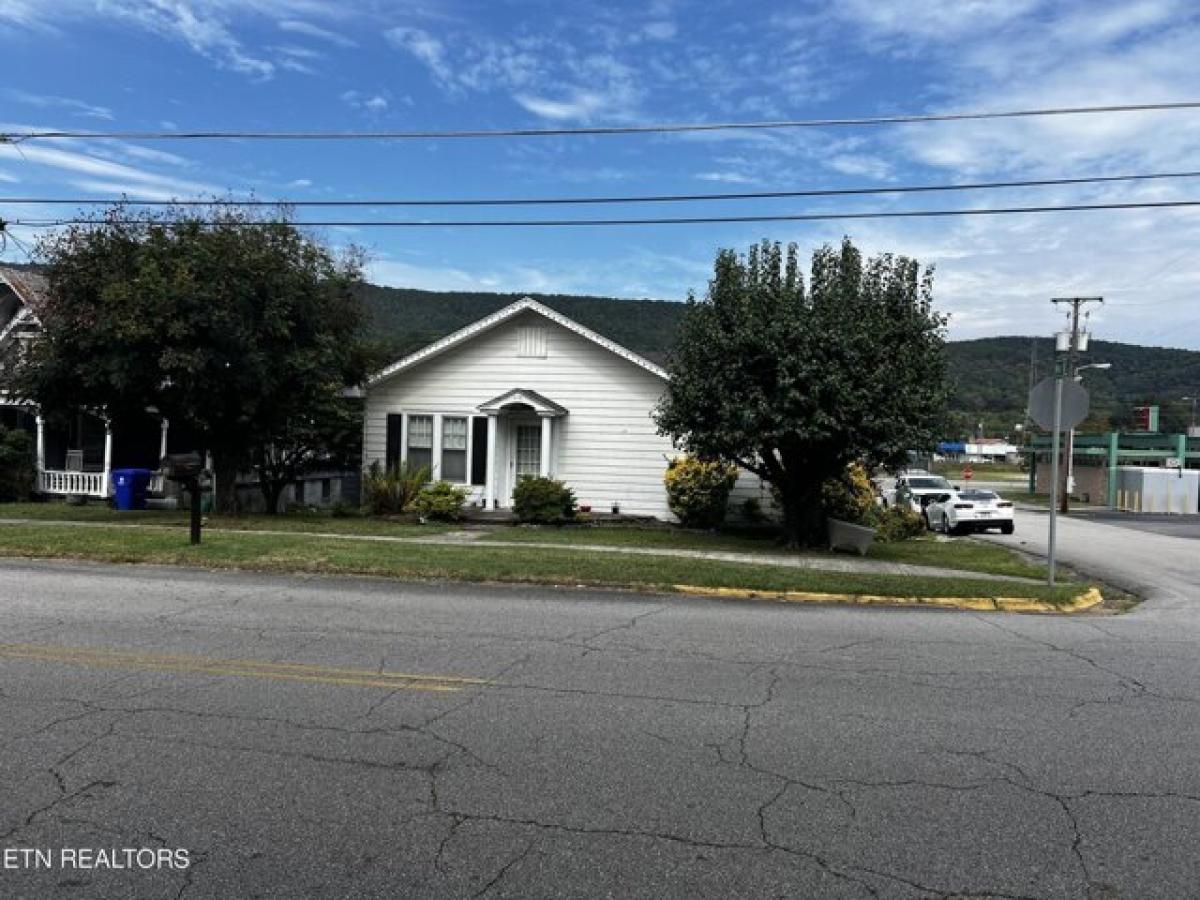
<point>527,391</point>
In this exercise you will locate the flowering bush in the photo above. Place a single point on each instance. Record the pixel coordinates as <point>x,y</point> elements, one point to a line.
<point>698,490</point>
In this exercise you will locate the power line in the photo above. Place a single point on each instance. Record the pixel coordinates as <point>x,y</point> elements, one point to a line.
<point>653,198</point>
<point>695,220</point>
<point>662,128</point>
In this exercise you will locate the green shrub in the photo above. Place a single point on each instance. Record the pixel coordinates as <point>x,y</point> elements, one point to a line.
<point>850,497</point>
<point>543,501</point>
<point>752,511</point>
<point>17,469</point>
<point>698,490</point>
<point>441,502</point>
<point>898,523</point>
<point>389,491</point>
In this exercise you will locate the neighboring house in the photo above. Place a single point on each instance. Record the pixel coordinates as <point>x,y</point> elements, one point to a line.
<point>527,391</point>
<point>76,450</point>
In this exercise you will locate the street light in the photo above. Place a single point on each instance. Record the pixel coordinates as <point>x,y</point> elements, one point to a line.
<point>1071,436</point>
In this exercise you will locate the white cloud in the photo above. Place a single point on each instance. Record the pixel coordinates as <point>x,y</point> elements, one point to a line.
<point>308,29</point>
<point>70,104</point>
<point>933,19</point>
<point>580,106</point>
<point>374,104</point>
<point>90,171</point>
<point>861,164</point>
<point>726,177</point>
<point>425,48</point>
<point>208,27</point>
<point>300,183</point>
<point>201,26</point>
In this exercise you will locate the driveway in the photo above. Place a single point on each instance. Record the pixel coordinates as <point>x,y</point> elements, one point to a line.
<point>323,737</point>
<point>1164,568</point>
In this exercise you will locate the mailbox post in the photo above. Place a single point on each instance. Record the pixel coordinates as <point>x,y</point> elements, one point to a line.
<point>187,469</point>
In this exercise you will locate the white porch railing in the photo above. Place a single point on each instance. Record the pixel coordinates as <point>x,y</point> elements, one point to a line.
<point>60,481</point>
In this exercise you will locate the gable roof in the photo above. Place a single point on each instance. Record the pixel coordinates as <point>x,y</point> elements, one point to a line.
<point>31,288</point>
<point>500,317</point>
<point>539,402</point>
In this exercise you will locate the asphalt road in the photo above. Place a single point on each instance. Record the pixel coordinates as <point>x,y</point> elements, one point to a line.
<point>572,744</point>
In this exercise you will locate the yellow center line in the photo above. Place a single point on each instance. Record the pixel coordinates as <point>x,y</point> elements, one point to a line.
<point>98,657</point>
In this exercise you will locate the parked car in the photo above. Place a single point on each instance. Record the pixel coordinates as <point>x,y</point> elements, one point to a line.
<point>959,512</point>
<point>916,489</point>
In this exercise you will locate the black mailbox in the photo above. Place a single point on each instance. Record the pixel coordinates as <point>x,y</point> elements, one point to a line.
<point>187,469</point>
<point>182,466</point>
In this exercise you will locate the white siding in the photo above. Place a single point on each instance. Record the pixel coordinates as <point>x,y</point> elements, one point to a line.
<point>606,448</point>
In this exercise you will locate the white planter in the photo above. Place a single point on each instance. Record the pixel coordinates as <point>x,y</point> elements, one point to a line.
<point>848,536</point>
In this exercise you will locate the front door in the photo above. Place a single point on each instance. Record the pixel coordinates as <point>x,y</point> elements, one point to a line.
<point>527,452</point>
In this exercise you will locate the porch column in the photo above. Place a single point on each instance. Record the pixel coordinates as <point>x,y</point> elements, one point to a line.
<point>41,449</point>
<point>547,424</point>
<point>107,481</point>
<point>489,478</point>
<point>162,441</point>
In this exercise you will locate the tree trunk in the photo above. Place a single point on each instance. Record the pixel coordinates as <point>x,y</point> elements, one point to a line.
<point>272,490</point>
<point>225,496</point>
<point>803,518</point>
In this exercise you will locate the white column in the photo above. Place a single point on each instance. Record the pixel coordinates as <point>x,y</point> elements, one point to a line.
<point>107,482</point>
<point>547,422</point>
<point>162,441</point>
<point>489,478</point>
<point>41,449</point>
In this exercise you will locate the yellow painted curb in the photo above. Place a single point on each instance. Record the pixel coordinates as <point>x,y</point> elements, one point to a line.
<point>1084,601</point>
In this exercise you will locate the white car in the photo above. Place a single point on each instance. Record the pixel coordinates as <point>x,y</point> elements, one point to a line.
<point>916,489</point>
<point>973,509</point>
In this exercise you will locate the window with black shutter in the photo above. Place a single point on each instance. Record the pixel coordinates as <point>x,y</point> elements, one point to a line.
<point>395,428</point>
<point>479,431</point>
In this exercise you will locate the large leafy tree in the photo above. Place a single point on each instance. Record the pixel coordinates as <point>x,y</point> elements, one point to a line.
<point>234,325</point>
<point>795,384</point>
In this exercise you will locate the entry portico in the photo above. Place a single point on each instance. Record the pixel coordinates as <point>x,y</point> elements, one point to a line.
<point>512,419</point>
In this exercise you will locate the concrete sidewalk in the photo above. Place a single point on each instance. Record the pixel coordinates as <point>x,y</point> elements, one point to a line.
<point>813,561</point>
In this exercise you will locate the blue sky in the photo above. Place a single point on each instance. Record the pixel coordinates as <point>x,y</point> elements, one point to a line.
<point>314,64</point>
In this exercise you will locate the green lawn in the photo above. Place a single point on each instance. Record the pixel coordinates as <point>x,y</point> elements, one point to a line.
<point>298,553</point>
<point>303,522</point>
<point>956,553</point>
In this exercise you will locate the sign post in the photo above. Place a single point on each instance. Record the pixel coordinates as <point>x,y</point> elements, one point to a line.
<point>1057,404</point>
<point>1054,442</point>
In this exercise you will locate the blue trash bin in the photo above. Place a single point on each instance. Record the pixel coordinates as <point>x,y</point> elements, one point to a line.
<point>129,488</point>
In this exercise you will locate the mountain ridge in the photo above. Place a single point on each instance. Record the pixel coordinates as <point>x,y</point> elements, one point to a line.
<point>990,376</point>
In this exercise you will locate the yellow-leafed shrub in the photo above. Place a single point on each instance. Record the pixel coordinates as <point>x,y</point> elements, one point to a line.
<point>698,490</point>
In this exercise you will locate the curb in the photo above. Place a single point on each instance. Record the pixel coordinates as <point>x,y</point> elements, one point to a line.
<point>1085,601</point>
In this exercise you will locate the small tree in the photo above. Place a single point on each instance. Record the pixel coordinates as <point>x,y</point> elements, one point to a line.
<point>328,435</point>
<point>794,384</point>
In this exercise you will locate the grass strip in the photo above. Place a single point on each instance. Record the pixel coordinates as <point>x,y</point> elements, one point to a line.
<point>960,554</point>
<point>299,522</point>
<point>285,553</point>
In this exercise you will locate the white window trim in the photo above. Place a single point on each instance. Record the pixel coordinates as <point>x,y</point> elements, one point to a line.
<point>436,463</point>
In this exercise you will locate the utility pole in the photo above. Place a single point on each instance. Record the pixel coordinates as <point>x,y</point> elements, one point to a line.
<point>1076,304</point>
